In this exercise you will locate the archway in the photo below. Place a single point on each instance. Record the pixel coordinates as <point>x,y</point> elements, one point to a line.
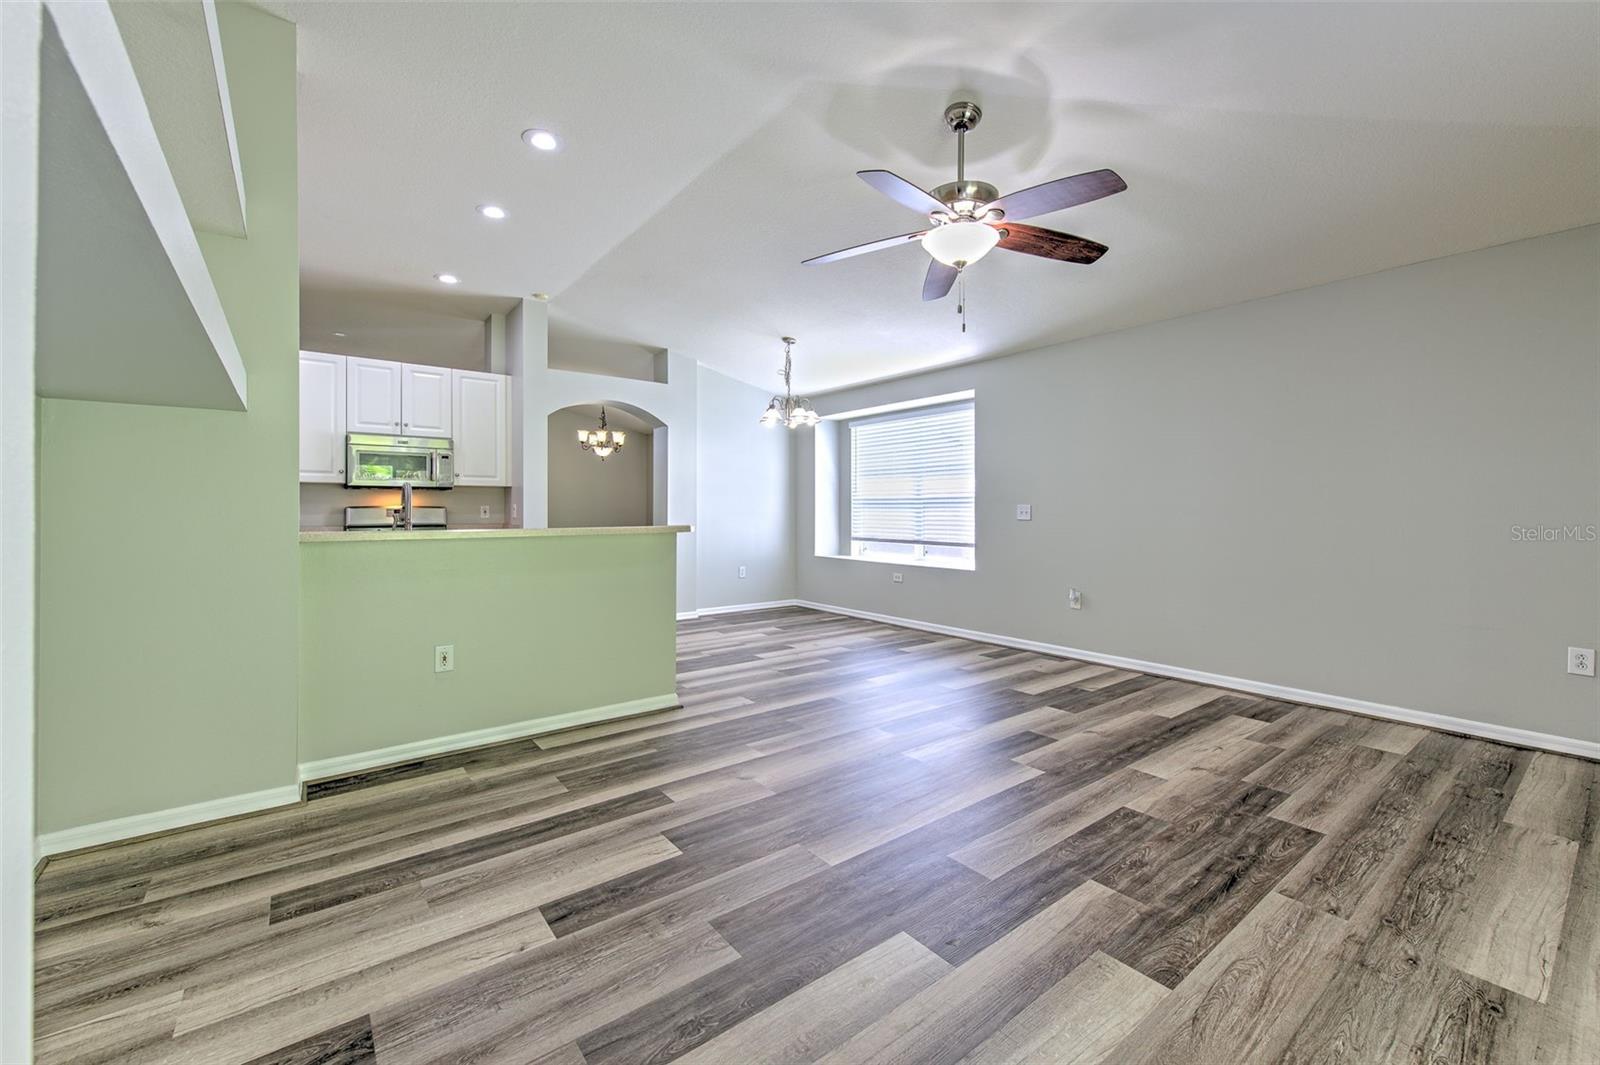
<point>626,487</point>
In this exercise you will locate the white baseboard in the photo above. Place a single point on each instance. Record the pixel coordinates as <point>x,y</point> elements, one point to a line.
<point>736,608</point>
<point>124,828</point>
<point>1501,733</point>
<point>342,764</point>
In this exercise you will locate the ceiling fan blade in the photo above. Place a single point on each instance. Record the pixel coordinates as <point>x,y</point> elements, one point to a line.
<point>939,281</point>
<point>862,249</point>
<point>902,191</point>
<point>1060,193</point>
<point>1048,244</point>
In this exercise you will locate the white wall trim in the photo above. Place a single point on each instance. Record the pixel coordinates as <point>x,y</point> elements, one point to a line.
<point>1500,733</point>
<point>125,828</point>
<point>736,608</point>
<point>342,764</point>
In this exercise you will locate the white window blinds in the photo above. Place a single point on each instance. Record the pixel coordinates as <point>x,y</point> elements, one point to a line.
<point>912,477</point>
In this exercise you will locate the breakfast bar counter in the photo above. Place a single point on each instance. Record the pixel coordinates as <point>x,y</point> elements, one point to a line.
<point>471,533</point>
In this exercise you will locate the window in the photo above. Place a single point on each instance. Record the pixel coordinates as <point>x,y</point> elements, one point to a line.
<point>912,483</point>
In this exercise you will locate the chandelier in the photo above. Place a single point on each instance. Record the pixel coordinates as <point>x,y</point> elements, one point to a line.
<point>789,409</point>
<point>601,441</point>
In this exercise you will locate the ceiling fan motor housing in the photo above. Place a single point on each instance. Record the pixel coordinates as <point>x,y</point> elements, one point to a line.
<point>976,193</point>
<point>962,116</point>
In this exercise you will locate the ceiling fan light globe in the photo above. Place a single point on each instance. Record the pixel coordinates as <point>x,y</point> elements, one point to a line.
<point>960,243</point>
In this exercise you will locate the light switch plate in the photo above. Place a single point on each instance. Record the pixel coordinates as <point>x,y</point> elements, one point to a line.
<point>741,573</point>
<point>1024,511</point>
<point>483,511</point>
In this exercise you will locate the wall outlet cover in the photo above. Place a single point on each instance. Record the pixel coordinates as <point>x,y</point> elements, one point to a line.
<point>1580,661</point>
<point>444,658</point>
<point>898,578</point>
<point>1074,599</point>
<point>741,573</point>
<point>1024,511</point>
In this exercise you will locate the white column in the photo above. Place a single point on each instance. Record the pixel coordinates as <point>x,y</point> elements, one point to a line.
<point>20,30</point>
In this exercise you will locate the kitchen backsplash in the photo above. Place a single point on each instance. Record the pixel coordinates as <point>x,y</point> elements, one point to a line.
<point>322,505</point>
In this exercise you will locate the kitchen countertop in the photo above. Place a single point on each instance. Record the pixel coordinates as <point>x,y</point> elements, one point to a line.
<point>365,535</point>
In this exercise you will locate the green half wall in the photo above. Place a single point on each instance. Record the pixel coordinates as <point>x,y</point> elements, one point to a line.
<point>542,626</point>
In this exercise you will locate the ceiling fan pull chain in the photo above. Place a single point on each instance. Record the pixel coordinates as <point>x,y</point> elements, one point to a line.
<point>961,301</point>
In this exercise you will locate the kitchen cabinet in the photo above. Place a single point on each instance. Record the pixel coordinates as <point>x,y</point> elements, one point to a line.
<point>480,408</point>
<point>373,396</point>
<point>342,394</point>
<point>322,417</point>
<point>425,401</point>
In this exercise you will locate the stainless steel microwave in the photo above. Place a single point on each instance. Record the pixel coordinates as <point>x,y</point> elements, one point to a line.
<point>389,461</point>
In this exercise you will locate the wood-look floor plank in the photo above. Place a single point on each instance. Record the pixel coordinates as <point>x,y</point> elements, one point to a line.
<point>1509,931</point>
<point>1339,792</point>
<point>1079,1021</point>
<point>346,1044</point>
<point>955,1014</point>
<point>1553,796</point>
<point>1249,995</point>
<point>1567,1028</point>
<point>1009,846</point>
<point>829,1010</point>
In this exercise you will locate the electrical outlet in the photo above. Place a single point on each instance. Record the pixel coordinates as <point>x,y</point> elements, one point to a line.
<point>444,658</point>
<point>513,510</point>
<point>1580,660</point>
<point>1024,511</point>
<point>898,578</point>
<point>741,573</point>
<point>483,511</point>
<point>1074,599</point>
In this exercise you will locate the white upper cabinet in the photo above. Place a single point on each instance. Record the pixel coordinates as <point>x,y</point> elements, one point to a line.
<point>342,394</point>
<point>373,404</point>
<point>483,428</point>
<point>425,401</point>
<point>322,417</point>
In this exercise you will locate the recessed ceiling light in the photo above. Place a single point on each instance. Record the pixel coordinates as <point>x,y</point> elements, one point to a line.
<point>542,297</point>
<point>447,279</point>
<point>541,139</point>
<point>338,334</point>
<point>489,210</point>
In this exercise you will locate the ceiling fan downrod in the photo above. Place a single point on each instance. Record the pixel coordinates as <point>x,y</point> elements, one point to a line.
<point>962,116</point>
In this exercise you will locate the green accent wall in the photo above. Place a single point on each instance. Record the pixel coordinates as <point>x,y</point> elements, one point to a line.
<point>542,625</point>
<point>168,556</point>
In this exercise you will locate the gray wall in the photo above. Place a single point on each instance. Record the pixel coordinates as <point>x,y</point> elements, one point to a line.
<point>585,492</point>
<point>746,508</point>
<point>1317,490</point>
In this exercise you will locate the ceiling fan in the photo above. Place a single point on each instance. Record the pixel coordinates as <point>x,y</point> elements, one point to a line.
<point>971,218</point>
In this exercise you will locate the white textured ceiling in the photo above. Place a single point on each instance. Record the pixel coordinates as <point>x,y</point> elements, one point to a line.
<point>710,148</point>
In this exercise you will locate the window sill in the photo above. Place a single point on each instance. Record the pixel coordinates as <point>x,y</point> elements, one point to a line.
<point>959,567</point>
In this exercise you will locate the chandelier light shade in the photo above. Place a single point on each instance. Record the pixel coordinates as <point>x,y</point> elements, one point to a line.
<point>788,409</point>
<point>602,441</point>
<point>960,243</point>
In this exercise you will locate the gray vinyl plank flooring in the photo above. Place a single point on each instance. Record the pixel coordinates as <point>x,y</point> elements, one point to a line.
<point>856,843</point>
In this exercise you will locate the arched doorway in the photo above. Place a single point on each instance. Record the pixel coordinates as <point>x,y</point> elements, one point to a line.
<point>624,488</point>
